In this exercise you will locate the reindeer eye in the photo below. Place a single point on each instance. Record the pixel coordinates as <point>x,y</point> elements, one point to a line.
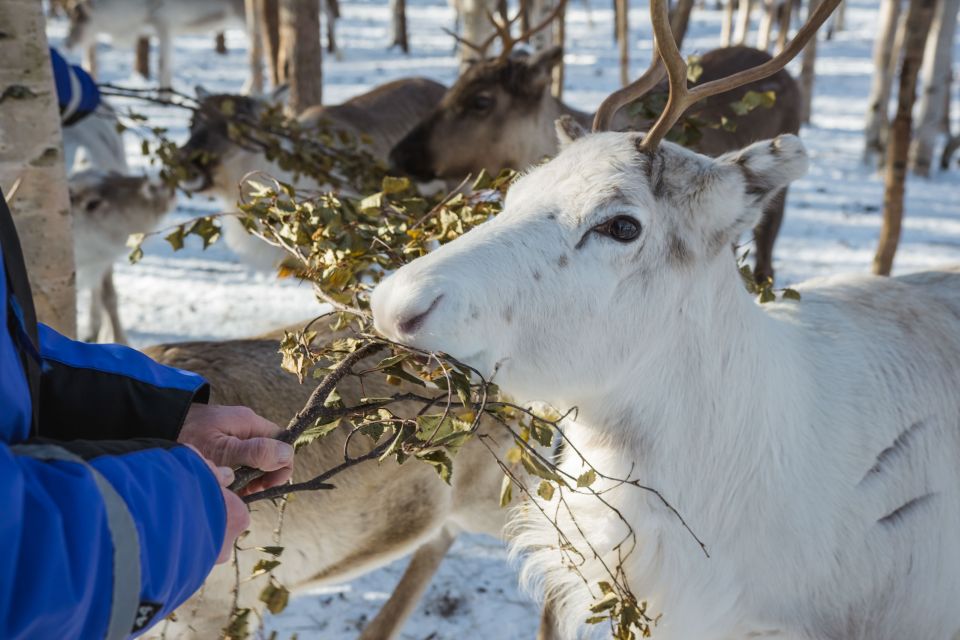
<point>620,228</point>
<point>481,103</point>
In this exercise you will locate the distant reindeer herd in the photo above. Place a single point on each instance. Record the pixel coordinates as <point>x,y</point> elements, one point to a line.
<point>812,444</point>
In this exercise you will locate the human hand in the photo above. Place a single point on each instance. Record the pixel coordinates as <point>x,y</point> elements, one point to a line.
<point>236,436</point>
<point>238,516</point>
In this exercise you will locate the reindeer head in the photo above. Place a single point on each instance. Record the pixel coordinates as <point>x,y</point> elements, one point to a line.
<point>594,260</point>
<point>212,140</point>
<point>495,116</point>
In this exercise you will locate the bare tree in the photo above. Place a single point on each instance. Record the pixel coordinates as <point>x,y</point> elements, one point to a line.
<point>935,98</point>
<point>141,62</point>
<point>623,39</point>
<point>884,60</point>
<point>398,11</point>
<point>254,18</point>
<point>786,10</point>
<point>220,43</point>
<point>743,21</point>
<point>808,70</point>
<point>765,30</point>
<point>301,56</point>
<point>270,12</point>
<point>919,19</point>
<point>680,20</point>
<point>32,172</point>
<point>726,27</point>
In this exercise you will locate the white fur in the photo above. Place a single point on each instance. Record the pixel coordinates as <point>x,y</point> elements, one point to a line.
<point>125,20</point>
<point>785,434</point>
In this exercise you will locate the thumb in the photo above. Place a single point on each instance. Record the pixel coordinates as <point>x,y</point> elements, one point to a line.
<point>265,454</point>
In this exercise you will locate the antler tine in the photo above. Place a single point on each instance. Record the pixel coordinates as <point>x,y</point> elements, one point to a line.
<point>458,38</point>
<point>532,31</point>
<point>681,98</point>
<point>617,100</point>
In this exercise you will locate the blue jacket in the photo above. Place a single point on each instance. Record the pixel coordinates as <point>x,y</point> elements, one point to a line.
<point>107,524</point>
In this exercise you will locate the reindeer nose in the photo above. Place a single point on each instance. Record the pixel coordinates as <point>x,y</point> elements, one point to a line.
<point>413,322</point>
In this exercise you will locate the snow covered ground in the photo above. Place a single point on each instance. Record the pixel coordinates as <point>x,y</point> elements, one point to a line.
<point>831,225</point>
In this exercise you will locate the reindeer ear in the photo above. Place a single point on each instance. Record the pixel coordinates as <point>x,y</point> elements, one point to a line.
<point>769,166</point>
<point>568,130</point>
<point>752,177</point>
<point>544,61</point>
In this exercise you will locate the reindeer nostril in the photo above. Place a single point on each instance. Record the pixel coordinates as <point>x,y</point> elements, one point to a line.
<point>413,323</point>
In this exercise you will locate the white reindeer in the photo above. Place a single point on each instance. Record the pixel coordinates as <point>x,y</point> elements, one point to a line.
<point>108,207</point>
<point>811,445</point>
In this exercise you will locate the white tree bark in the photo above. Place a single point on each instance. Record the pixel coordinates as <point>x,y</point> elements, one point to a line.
<point>884,62</point>
<point>935,77</point>
<point>765,30</point>
<point>254,17</point>
<point>476,26</point>
<point>808,70</point>
<point>726,27</point>
<point>301,53</point>
<point>31,155</point>
<point>743,21</point>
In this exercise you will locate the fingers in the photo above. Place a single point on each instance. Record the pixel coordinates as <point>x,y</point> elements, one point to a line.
<point>266,481</point>
<point>238,520</point>
<point>265,454</point>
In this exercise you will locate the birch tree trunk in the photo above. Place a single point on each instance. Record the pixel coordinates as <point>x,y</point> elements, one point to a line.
<point>935,77</point>
<point>254,18</point>
<point>141,63</point>
<point>398,11</point>
<point>623,39</point>
<point>765,30</point>
<point>743,22</point>
<point>270,12</point>
<point>475,26</point>
<point>31,155</point>
<point>680,20</point>
<point>301,55</point>
<point>919,18</point>
<point>726,27</point>
<point>808,70</point>
<point>877,104</point>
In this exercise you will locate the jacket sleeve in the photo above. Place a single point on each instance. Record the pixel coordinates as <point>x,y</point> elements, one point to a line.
<point>110,392</point>
<point>104,540</point>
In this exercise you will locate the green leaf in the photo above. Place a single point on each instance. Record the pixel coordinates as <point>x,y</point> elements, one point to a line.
<point>545,490</point>
<point>176,238</point>
<point>694,68</point>
<point>537,468</point>
<point>392,185</point>
<point>791,294</point>
<point>506,491</point>
<point>440,461</point>
<point>273,551</point>
<point>264,566</point>
<point>276,597</point>
<point>608,602</point>
<point>587,478</point>
<point>767,295</point>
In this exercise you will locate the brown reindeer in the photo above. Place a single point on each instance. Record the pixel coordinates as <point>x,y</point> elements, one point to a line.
<point>500,114</point>
<point>377,513</point>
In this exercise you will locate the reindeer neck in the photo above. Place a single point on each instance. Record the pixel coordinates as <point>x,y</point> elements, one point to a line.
<point>714,390</point>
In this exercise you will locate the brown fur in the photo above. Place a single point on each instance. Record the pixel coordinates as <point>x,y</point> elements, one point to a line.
<point>377,512</point>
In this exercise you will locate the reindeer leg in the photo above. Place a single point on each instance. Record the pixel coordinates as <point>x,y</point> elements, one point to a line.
<point>424,564</point>
<point>109,294</point>
<point>765,235</point>
<point>96,314</point>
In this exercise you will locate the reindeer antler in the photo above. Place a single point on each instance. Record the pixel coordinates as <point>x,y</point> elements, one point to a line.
<point>502,30</point>
<point>682,97</point>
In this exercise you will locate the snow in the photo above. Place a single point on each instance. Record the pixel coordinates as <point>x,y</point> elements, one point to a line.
<point>831,225</point>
